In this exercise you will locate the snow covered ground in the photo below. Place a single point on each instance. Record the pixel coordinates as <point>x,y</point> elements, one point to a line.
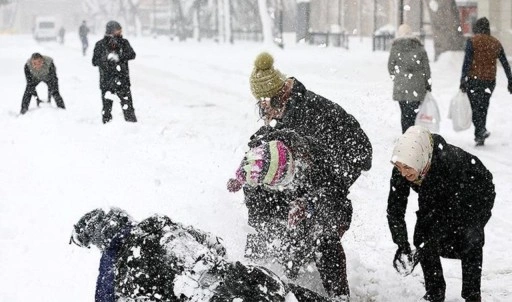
<point>195,115</point>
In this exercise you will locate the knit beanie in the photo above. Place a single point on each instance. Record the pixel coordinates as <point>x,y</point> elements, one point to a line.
<point>269,164</point>
<point>482,26</point>
<point>404,30</point>
<point>414,148</point>
<point>266,81</point>
<point>111,27</point>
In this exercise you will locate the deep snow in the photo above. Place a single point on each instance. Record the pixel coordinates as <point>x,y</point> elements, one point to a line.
<point>195,115</point>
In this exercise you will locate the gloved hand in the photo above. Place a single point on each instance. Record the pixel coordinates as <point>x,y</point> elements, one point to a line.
<point>463,86</point>
<point>297,144</point>
<point>257,137</point>
<point>113,57</point>
<point>215,243</point>
<point>297,213</point>
<point>405,260</point>
<point>234,185</point>
<point>509,87</point>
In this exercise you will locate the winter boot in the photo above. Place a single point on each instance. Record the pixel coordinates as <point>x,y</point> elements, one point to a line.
<point>341,298</point>
<point>474,298</point>
<point>432,298</point>
<point>59,101</point>
<point>480,140</point>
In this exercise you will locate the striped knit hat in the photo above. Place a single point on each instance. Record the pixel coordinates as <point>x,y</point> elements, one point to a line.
<point>270,164</point>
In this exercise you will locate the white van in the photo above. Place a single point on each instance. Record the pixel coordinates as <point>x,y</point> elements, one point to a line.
<point>45,28</point>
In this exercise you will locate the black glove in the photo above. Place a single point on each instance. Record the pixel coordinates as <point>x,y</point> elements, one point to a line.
<point>509,87</point>
<point>398,263</point>
<point>463,86</point>
<point>257,137</point>
<point>297,144</point>
<point>113,43</point>
<point>405,260</point>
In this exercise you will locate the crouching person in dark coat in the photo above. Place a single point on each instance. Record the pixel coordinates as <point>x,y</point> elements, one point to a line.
<point>39,69</point>
<point>161,260</point>
<point>111,55</point>
<point>455,197</point>
<point>298,205</point>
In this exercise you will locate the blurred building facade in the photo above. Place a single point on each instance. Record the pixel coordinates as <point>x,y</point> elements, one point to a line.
<point>499,13</point>
<point>18,16</point>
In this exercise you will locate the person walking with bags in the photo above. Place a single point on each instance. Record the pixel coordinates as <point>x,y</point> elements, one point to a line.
<point>478,77</point>
<point>409,68</point>
<point>455,198</point>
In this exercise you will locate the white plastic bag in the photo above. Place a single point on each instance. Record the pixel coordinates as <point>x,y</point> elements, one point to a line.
<point>428,114</point>
<point>460,112</point>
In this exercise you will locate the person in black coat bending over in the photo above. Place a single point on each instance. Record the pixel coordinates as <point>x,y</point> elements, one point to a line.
<point>303,205</point>
<point>345,148</point>
<point>455,197</point>
<point>39,69</point>
<point>111,55</point>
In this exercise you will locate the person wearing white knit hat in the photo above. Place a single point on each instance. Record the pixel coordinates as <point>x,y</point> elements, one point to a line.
<point>455,198</point>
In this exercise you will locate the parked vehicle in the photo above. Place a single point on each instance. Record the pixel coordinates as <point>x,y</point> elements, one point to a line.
<point>45,28</point>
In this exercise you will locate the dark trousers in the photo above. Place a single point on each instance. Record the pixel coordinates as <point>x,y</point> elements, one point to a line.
<point>479,93</point>
<point>53,91</point>
<point>332,266</point>
<point>470,253</point>
<point>409,111</point>
<point>85,44</point>
<point>125,96</point>
<point>298,248</point>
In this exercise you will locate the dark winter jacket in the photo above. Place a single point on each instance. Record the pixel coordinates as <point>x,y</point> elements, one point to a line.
<point>158,254</point>
<point>480,57</point>
<point>347,147</point>
<point>455,197</point>
<point>83,30</point>
<point>317,182</point>
<point>409,67</point>
<point>114,76</point>
<point>47,73</point>
<point>159,260</point>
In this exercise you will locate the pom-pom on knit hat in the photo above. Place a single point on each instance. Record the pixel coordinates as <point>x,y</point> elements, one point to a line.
<point>269,164</point>
<point>266,81</point>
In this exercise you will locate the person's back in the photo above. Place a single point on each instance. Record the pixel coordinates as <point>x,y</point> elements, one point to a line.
<point>486,50</point>
<point>407,64</point>
<point>83,31</point>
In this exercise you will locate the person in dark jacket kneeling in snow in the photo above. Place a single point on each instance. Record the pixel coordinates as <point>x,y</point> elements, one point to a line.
<point>161,260</point>
<point>455,197</point>
<point>39,69</point>
<point>111,55</point>
<point>301,204</point>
